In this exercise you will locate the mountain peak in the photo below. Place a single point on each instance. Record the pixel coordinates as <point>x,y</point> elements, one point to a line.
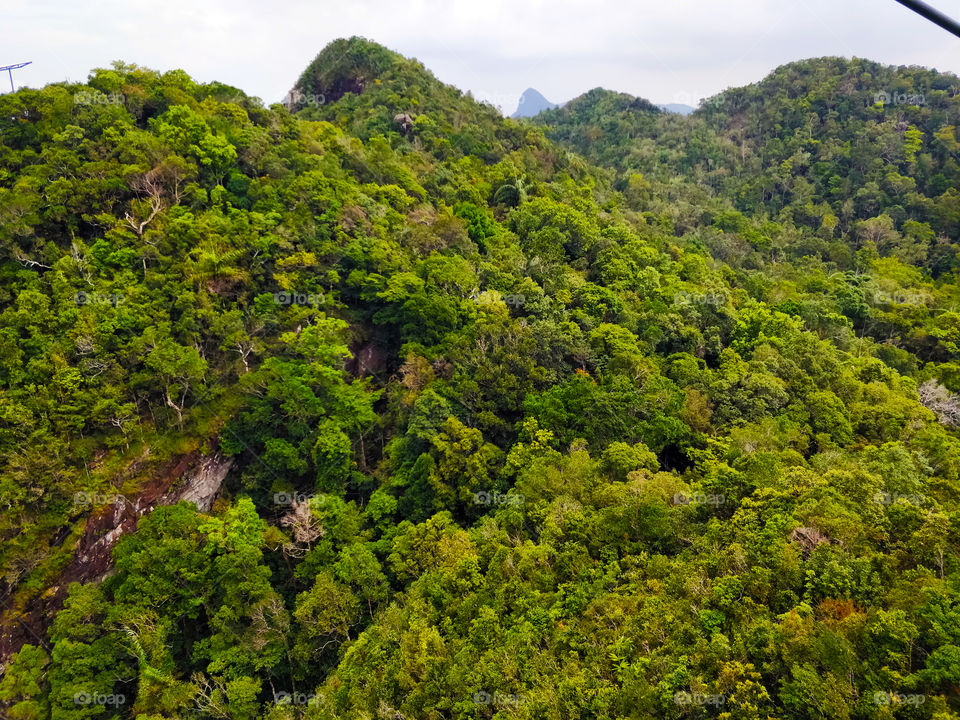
<point>600,101</point>
<point>532,102</point>
<point>346,65</point>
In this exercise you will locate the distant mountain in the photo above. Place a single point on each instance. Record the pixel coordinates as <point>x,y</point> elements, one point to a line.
<point>532,103</point>
<point>677,108</point>
<point>835,145</point>
<point>600,124</point>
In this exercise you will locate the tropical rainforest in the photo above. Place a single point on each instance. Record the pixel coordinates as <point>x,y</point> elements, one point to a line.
<point>610,413</point>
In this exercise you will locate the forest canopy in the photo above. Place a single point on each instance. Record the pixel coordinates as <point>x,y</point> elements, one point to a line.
<point>376,404</point>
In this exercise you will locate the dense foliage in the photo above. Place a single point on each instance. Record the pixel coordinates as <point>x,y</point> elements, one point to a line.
<point>669,435</point>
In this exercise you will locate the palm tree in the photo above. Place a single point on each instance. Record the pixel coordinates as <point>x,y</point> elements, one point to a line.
<point>511,194</point>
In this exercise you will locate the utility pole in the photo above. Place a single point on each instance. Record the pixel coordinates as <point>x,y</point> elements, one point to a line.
<point>933,15</point>
<point>11,68</point>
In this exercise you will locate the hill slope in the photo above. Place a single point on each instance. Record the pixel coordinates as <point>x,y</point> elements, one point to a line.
<point>843,148</point>
<point>507,433</point>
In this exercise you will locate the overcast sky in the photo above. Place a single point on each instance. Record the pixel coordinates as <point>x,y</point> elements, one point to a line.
<point>667,51</point>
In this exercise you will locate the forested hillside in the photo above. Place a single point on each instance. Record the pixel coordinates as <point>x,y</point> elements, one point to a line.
<point>850,150</point>
<point>612,414</point>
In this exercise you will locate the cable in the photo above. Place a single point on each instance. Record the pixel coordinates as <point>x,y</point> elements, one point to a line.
<point>11,68</point>
<point>933,15</point>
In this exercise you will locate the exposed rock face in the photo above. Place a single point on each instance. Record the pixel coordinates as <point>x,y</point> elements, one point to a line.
<point>368,359</point>
<point>204,484</point>
<point>194,478</point>
<point>404,121</point>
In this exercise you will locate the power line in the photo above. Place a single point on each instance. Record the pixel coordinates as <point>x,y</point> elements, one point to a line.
<point>933,15</point>
<point>11,68</point>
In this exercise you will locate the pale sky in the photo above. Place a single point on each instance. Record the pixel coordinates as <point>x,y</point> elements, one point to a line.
<point>667,51</point>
